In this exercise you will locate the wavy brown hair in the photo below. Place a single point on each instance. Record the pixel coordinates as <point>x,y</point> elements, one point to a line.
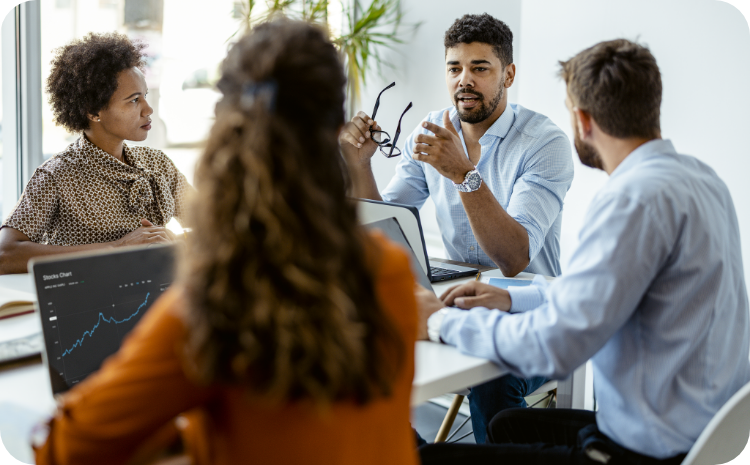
<point>278,272</point>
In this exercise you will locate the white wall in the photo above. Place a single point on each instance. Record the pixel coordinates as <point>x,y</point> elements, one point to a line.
<point>703,50</point>
<point>419,74</point>
<point>701,46</point>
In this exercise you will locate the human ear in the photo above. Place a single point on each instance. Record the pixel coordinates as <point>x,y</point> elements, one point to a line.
<point>94,118</point>
<point>510,74</point>
<point>583,120</point>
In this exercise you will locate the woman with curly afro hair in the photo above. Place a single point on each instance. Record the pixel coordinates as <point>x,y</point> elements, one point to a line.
<point>98,192</point>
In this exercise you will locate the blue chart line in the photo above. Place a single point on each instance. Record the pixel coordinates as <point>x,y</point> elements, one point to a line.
<point>106,320</point>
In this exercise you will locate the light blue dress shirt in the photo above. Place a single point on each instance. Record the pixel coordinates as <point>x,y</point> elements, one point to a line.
<point>526,163</point>
<point>654,295</point>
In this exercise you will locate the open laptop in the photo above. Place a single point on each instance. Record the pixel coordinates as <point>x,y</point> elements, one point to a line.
<point>392,229</point>
<point>408,219</point>
<point>88,302</point>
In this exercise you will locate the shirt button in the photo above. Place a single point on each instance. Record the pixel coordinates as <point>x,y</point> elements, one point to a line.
<point>471,248</point>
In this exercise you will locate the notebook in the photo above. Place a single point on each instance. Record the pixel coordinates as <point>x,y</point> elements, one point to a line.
<point>89,302</point>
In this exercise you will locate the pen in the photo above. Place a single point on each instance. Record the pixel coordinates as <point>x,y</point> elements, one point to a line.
<point>479,274</point>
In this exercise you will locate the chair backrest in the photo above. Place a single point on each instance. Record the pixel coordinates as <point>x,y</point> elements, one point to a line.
<point>725,436</point>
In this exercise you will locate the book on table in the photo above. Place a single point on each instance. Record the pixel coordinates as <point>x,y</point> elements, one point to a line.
<point>14,302</point>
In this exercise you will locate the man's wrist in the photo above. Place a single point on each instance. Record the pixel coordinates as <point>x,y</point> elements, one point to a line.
<point>471,183</point>
<point>460,175</point>
<point>434,322</point>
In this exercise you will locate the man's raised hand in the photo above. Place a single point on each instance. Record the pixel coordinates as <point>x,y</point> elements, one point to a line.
<point>443,150</point>
<point>356,140</point>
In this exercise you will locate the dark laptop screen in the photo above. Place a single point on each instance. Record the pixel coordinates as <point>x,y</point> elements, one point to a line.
<point>89,303</point>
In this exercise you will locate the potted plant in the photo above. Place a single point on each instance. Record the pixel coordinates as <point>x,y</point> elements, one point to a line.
<point>362,39</point>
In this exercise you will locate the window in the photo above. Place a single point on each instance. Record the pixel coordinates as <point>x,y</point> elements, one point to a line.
<point>186,41</point>
<point>2,50</point>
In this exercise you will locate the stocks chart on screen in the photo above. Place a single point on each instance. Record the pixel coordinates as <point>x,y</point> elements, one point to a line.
<point>88,305</point>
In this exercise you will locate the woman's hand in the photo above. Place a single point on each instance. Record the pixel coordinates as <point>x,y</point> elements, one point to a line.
<point>146,234</point>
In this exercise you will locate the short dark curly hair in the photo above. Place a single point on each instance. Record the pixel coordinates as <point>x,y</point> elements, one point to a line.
<point>84,76</point>
<point>485,29</point>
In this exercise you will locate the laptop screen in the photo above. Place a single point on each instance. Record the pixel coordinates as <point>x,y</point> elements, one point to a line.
<point>392,229</point>
<point>89,302</point>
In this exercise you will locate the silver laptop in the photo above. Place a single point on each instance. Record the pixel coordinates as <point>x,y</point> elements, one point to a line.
<point>89,301</point>
<point>408,219</point>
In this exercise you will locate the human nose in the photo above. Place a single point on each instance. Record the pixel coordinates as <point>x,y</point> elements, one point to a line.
<point>147,109</point>
<point>465,79</point>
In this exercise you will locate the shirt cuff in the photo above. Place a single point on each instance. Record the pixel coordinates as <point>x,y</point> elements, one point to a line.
<point>524,298</point>
<point>449,322</point>
<point>434,322</point>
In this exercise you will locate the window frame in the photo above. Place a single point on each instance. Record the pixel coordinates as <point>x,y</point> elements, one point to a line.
<point>22,99</point>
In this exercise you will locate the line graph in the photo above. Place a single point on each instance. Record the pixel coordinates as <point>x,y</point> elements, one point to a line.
<point>111,320</point>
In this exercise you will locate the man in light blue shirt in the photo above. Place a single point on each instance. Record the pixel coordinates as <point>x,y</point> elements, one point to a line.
<point>497,173</point>
<point>655,293</point>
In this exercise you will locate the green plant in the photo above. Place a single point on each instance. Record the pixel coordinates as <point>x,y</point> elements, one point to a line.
<point>367,33</point>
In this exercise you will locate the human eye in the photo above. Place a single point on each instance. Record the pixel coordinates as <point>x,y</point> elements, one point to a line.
<point>453,70</point>
<point>480,69</point>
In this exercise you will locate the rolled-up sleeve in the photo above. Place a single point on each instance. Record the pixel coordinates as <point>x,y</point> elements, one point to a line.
<point>37,207</point>
<point>539,191</point>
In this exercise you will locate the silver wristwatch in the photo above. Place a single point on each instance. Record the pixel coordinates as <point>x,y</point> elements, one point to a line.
<point>472,182</point>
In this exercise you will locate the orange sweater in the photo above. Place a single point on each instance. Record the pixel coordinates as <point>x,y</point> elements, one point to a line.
<point>141,389</point>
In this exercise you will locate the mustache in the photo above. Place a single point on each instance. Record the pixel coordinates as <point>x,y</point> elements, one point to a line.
<point>465,90</point>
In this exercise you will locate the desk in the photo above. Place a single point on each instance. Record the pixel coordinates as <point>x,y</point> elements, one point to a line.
<point>439,368</point>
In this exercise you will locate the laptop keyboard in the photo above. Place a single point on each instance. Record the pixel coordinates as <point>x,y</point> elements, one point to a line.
<point>436,271</point>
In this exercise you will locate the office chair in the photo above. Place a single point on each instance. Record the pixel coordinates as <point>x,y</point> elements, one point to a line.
<point>725,436</point>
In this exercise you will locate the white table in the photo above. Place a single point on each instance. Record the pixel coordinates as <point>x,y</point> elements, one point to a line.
<point>439,368</point>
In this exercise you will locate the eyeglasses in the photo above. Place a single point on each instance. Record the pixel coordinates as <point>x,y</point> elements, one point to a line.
<point>381,137</point>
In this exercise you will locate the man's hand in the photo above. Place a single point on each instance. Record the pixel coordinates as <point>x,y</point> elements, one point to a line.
<point>146,234</point>
<point>356,141</point>
<point>476,294</point>
<point>443,151</point>
<point>427,304</point>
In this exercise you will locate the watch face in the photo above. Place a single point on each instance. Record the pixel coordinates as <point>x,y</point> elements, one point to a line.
<point>473,180</point>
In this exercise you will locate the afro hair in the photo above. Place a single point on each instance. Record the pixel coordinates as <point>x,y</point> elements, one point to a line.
<point>84,76</point>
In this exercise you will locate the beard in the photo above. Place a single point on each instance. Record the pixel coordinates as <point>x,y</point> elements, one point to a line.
<point>586,153</point>
<point>482,111</point>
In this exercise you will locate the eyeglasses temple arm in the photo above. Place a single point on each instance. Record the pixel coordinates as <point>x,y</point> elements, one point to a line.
<point>398,128</point>
<point>377,101</point>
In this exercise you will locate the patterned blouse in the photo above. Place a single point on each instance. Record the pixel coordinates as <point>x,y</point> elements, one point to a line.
<point>83,195</point>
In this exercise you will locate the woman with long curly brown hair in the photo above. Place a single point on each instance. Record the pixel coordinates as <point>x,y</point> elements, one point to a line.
<point>289,336</point>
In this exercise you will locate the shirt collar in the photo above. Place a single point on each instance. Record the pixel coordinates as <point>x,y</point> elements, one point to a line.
<point>85,143</point>
<point>643,152</point>
<point>499,128</point>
